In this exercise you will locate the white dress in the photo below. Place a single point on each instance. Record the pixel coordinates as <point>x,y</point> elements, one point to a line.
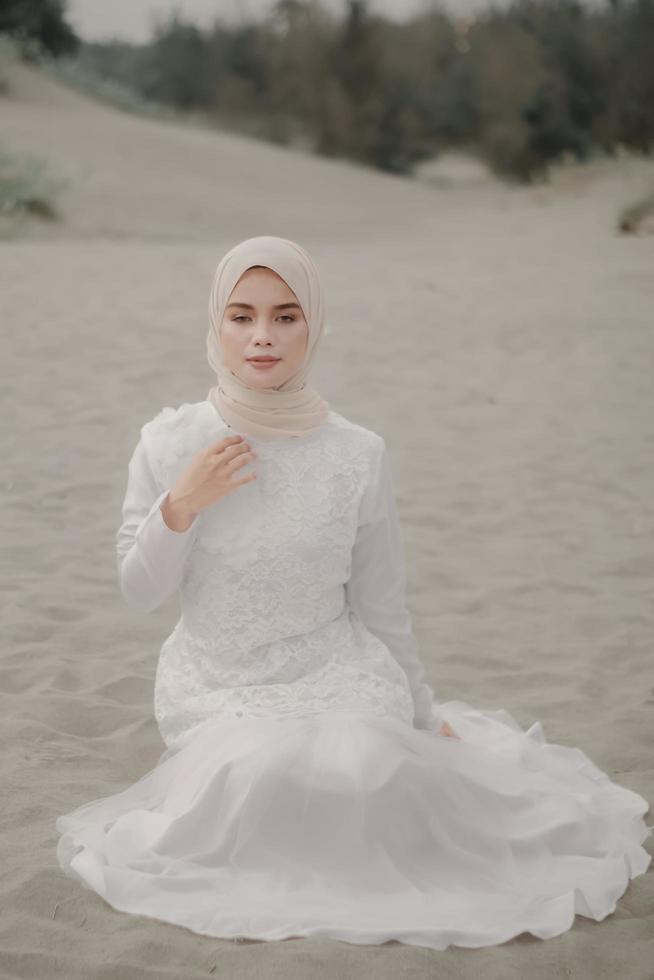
<point>304,789</point>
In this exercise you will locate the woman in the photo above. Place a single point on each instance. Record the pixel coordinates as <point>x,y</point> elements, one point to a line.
<point>304,789</point>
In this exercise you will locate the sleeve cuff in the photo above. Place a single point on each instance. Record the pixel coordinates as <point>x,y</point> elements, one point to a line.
<point>157,543</point>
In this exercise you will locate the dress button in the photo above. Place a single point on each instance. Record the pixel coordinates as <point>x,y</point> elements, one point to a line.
<point>239,714</point>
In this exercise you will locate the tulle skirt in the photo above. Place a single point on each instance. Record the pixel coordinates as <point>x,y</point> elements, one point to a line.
<point>364,829</point>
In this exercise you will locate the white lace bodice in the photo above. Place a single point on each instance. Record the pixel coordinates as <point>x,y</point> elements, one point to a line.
<point>270,577</point>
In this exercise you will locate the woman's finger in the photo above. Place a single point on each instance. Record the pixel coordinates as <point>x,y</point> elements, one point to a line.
<point>218,447</point>
<point>448,731</point>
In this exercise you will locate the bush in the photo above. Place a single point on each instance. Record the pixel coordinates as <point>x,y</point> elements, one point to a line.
<point>638,217</point>
<point>26,188</point>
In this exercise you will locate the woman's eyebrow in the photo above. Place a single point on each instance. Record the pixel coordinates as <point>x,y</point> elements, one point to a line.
<point>280,306</point>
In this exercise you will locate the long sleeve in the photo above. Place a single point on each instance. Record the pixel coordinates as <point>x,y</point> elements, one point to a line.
<point>150,555</point>
<point>377,584</point>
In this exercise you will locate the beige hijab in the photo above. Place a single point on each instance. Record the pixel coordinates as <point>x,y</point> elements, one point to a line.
<point>294,408</point>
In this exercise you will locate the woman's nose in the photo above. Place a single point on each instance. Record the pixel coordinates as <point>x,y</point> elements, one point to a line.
<point>262,331</point>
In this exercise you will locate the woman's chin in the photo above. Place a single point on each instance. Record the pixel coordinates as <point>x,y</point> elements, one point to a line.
<point>262,378</point>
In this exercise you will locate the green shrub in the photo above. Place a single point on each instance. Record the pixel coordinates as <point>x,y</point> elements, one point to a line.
<point>26,187</point>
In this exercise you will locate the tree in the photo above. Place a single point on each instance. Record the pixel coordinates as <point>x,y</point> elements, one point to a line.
<point>39,24</point>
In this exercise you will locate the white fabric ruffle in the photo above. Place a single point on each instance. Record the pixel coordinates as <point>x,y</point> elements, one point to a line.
<point>364,829</point>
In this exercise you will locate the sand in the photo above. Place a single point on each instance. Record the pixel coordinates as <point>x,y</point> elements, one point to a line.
<point>501,340</point>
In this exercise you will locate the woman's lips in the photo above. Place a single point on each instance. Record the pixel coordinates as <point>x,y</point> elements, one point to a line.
<point>262,365</point>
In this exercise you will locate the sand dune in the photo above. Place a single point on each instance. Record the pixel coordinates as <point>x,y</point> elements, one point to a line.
<point>500,339</point>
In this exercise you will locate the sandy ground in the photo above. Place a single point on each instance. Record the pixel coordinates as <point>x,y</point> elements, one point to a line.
<point>500,339</point>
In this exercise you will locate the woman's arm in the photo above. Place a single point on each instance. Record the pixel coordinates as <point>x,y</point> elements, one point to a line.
<point>150,555</point>
<point>376,589</point>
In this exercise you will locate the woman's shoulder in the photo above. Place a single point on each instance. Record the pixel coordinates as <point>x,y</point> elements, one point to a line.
<point>176,432</point>
<point>169,418</point>
<point>356,432</point>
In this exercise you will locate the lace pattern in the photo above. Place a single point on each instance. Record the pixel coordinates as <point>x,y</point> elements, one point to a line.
<point>265,626</point>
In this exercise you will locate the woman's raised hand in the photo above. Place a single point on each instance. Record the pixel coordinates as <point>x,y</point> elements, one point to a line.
<point>209,477</point>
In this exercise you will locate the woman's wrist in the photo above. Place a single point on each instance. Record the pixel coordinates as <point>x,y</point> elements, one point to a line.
<point>176,516</point>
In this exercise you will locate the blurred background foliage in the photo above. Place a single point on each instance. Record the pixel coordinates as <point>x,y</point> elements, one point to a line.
<point>519,87</point>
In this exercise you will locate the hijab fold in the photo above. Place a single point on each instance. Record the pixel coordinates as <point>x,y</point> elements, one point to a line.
<point>294,408</point>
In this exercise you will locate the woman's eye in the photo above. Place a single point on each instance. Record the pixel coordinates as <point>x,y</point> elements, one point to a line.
<point>243,316</point>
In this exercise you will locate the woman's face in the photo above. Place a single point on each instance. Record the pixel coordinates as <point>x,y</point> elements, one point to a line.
<point>263,318</point>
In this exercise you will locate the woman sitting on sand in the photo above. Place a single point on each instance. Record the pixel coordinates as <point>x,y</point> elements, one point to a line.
<point>304,789</point>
